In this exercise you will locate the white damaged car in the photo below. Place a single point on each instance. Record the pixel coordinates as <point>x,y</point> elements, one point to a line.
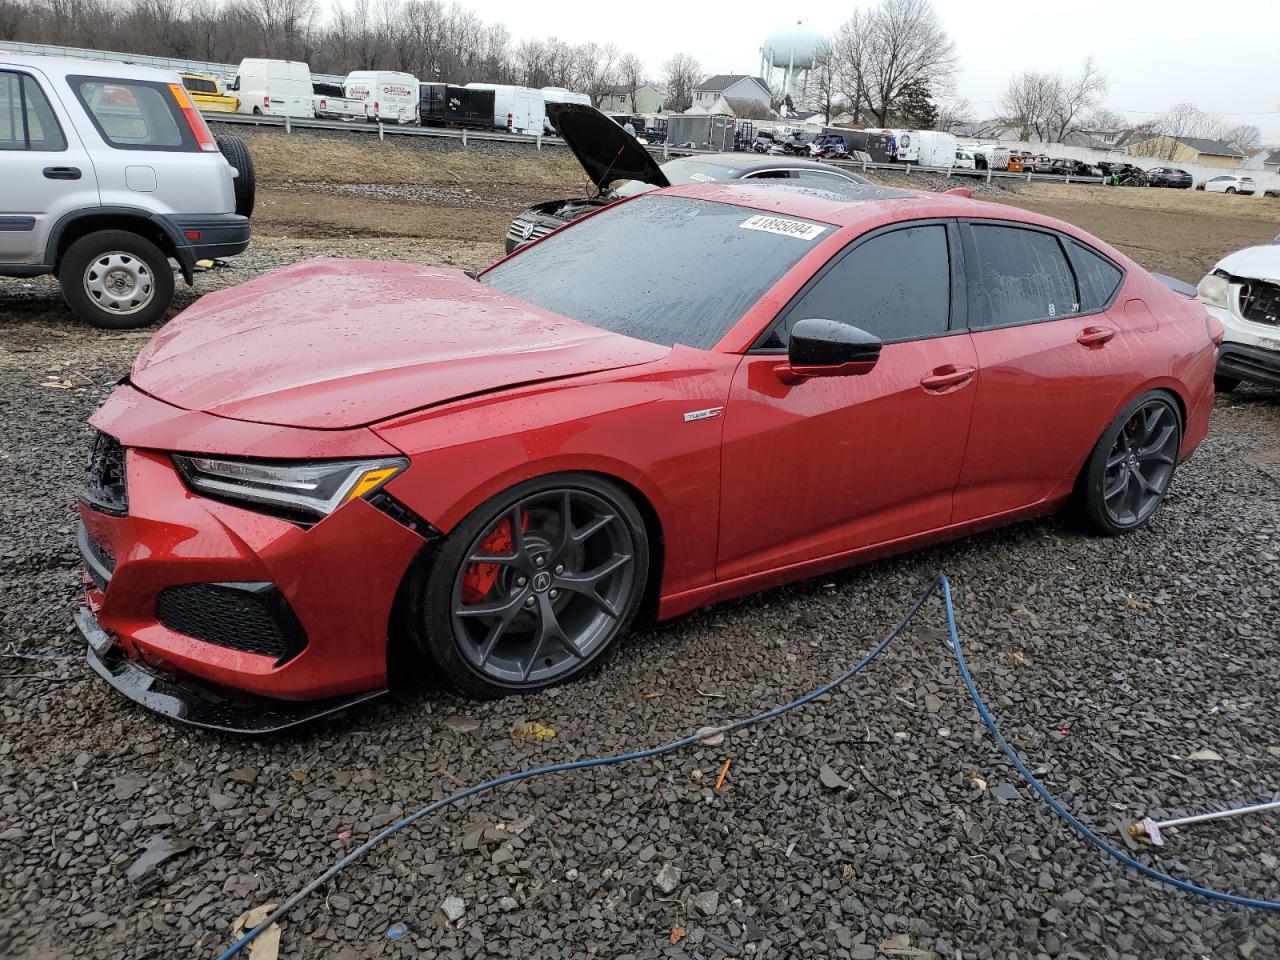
<point>1243,292</point>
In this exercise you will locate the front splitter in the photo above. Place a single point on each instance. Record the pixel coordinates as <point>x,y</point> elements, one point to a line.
<point>196,704</point>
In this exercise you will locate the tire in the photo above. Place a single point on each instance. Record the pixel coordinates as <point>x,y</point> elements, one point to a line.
<point>1128,474</point>
<point>1231,189</point>
<point>246,186</point>
<point>85,277</point>
<point>1225,384</point>
<point>536,632</point>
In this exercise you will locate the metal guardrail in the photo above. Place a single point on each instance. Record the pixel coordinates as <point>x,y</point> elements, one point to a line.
<point>664,152</point>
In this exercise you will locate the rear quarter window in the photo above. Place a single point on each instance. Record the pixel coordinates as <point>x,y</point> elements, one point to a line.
<point>133,114</point>
<point>1097,277</point>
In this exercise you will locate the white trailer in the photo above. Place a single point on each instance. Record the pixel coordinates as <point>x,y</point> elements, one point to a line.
<point>516,109</point>
<point>274,88</point>
<point>936,149</point>
<point>392,97</point>
<point>561,95</point>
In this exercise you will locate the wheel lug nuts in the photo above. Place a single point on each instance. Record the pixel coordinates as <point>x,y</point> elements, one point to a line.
<point>539,561</point>
<point>559,568</point>
<point>553,594</point>
<point>528,601</point>
<point>521,581</point>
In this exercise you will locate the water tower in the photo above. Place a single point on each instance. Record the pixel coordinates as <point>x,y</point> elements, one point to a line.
<point>795,50</point>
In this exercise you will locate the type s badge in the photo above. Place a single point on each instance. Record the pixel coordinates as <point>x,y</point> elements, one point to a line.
<point>710,413</point>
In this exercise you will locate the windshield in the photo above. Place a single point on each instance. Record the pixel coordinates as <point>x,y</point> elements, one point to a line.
<point>678,171</point>
<point>664,269</point>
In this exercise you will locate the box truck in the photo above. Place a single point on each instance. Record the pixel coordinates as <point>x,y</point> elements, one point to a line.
<point>936,149</point>
<point>515,109</point>
<point>274,88</point>
<point>392,96</point>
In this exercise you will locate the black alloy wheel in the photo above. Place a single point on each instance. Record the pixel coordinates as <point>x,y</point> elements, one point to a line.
<point>534,587</point>
<point>1130,470</point>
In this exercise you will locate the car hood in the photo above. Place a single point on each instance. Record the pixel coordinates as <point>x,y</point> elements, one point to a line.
<point>605,150</point>
<point>1254,263</point>
<point>332,344</point>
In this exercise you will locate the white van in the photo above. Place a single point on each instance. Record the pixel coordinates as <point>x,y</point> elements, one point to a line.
<point>561,95</point>
<point>906,143</point>
<point>392,97</point>
<point>516,109</point>
<point>276,88</point>
<point>936,149</point>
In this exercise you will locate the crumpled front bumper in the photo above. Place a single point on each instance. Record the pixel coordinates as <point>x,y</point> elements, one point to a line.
<point>195,704</point>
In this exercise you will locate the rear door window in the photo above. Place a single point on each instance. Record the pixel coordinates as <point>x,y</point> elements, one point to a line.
<point>896,286</point>
<point>1097,277</point>
<point>134,114</point>
<point>1018,276</point>
<point>27,121</point>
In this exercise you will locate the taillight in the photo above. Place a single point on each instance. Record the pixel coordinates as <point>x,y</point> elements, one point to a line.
<point>199,129</point>
<point>266,102</point>
<point>510,122</point>
<point>377,111</point>
<point>1215,329</point>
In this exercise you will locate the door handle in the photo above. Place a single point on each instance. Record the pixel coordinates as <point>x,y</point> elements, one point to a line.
<point>1095,336</point>
<point>947,376</point>
<point>62,173</point>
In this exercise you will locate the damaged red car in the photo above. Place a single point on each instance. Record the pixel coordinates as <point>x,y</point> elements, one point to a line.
<point>690,395</point>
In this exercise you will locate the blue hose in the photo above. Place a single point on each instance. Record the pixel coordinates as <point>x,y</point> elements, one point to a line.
<point>617,758</point>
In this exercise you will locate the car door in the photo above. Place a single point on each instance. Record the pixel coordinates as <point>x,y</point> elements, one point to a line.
<point>47,172</point>
<point>1054,358</point>
<point>831,464</point>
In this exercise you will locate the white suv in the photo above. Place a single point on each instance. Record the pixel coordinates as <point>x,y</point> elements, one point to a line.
<point>1243,292</point>
<point>109,172</point>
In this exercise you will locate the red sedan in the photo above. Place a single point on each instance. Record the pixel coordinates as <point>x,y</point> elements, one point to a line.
<point>694,394</point>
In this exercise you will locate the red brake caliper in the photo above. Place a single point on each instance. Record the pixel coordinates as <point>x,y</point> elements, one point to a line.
<point>480,577</point>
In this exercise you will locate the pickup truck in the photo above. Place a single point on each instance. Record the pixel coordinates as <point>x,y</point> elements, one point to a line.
<point>332,105</point>
<point>207,94</point>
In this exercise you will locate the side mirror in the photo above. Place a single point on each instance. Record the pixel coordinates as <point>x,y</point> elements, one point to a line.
<point>829,348</point>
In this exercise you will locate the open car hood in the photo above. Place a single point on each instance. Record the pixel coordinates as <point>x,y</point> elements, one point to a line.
<point>333,344</point>
<point>605,150</point>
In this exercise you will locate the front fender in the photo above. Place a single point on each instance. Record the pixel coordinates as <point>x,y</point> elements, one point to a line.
<point>627,424</point>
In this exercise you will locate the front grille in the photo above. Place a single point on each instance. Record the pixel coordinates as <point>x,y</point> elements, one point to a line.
<point>250,617</point>
<point>98,560</point>
<point>538,229</point>
<point>104,485</point>
<point>1260,302</point>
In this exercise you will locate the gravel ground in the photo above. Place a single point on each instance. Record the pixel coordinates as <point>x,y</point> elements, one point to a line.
<point>1108,662</point>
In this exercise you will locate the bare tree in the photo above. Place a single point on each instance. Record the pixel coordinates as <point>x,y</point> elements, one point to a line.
<point>1179,122</point>
<point>1245,136</point>
<point>1049,106</point>
<point>891,48</point>
<point>954,113</point>
<point>822,77</point>
<point>631,77</point>
<point>681,73</point>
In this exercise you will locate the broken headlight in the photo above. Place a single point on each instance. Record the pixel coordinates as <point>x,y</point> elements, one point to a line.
<point>1214,291</point>
<point>306,490</point>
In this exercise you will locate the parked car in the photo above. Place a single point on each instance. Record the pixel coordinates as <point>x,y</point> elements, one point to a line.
<point>1231,183</point>
<point>1122,174</point>
<point>206,92</point>
<point>1074,168</point>
<point>331,103</point>
<point>1040,164</point>
<point>110,172</point>
<point>1016,163</point>
<point>274,88</point>
<point>312,473</point>
<point>1169,177</point>
<point>1243,293</point>
<point>608,154</point>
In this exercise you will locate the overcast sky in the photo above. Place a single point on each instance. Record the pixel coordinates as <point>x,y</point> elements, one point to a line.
<point>1155,52</point>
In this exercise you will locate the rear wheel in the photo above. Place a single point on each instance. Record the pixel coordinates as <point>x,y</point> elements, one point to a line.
<point>1129,471</point>
<point>535,586</point>
<point>1231,189</point>
<point>116,280</point>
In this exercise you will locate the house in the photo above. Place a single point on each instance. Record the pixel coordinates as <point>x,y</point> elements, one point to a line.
<point>648,99</point>
<point>1208,153</point>
<point>731,86</point>
<point>1272,163</point>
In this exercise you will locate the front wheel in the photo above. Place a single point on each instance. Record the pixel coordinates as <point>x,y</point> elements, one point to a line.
<point>1129,471</point>
<point>535,586</point>
<point>116,280</point>
<point>1231,189</point>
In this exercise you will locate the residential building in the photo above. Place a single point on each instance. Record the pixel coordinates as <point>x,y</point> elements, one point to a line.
<point>1208,153</point>
<point>648,99</point>
<point>1272,163</point>
<point>731,86</point>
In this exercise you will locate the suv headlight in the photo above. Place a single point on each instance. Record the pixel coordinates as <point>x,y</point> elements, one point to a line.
<point>307,490</point>
<point>1214,291</point>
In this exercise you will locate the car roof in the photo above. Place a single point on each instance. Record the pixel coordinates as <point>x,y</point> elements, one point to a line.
<point>63,66</point>
<point>871,205</point>
<point>747,162</point>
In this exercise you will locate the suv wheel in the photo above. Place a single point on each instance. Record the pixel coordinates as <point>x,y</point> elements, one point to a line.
<point>116,280</point>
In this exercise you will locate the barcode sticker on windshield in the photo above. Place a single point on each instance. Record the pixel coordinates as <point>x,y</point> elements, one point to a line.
<point>787,228</point>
